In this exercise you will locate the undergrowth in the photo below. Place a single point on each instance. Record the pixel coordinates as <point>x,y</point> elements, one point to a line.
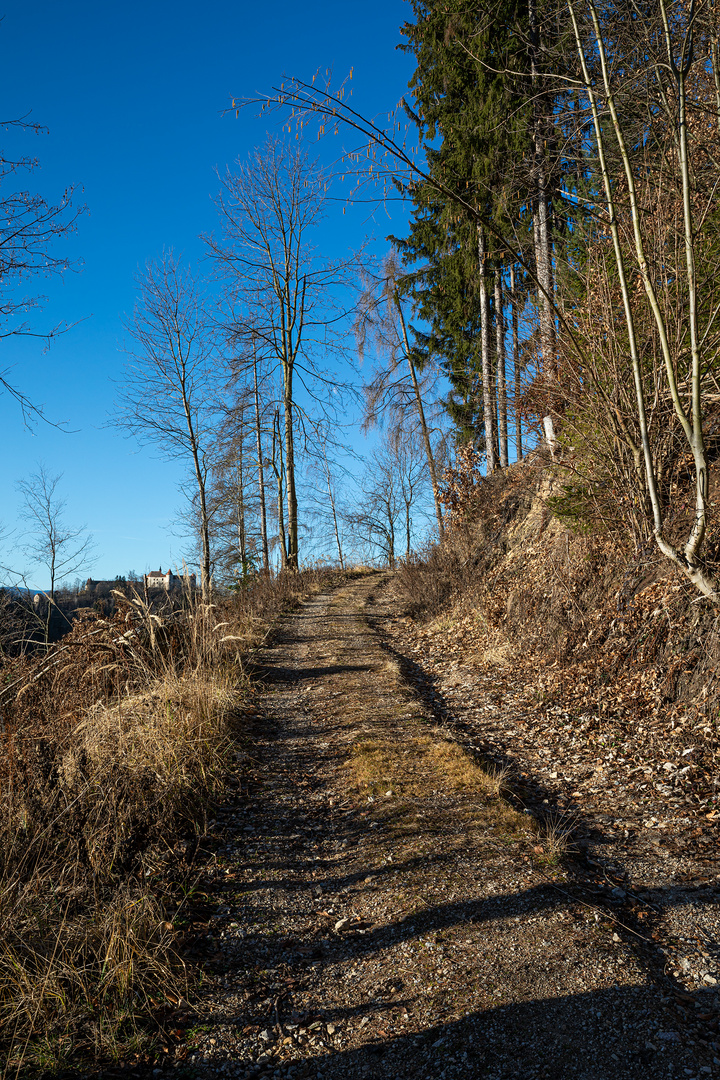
<point>115,744</point>
<point>596,624</point>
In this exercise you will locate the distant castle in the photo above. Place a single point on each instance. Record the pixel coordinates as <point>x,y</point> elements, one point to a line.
<point>167,581</point>
<point>156,579</point>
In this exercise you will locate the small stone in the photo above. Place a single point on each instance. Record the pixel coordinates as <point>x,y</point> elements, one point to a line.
<point>616,938</point>
<point>331,1029</point>
<point>341,924</point>
<point>709,980</point>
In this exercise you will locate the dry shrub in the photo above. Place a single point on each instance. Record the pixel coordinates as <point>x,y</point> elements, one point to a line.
<point>430,580</point>
<point>115,740</point>
<point>480,512</point>
<point>115,736</point>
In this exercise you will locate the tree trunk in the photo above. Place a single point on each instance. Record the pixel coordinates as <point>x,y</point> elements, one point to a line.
<point>516,362</point>
<point>240,511</point>
<point>500,369</point>
<point>423,424</point>
<point>278,470</point>
<point>541,229</point>
<point>261,474</point>
<point>331,497</point>
<point>200,477</point>
<point>543,264</point>
<point>488,412</point>
<point>391,541</point>
<point>292,549</point>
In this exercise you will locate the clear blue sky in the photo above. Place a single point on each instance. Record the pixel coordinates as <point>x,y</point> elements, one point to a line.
<point>133,95</point>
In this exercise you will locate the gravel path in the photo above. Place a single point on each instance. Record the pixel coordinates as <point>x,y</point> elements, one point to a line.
<point>417,931</point>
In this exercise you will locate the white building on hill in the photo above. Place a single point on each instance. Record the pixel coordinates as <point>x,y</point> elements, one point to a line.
<point>168,581</point>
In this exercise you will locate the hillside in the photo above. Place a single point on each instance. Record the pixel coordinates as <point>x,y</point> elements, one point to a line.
<point>402,887</point>
<point>455,821</point>
<point>615,650</point>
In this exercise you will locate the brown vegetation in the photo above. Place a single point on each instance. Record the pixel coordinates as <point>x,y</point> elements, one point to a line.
<point>114,746</point>
<point>604,627</point>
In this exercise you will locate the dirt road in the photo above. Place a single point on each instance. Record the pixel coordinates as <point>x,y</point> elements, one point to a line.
<point>377,909</point>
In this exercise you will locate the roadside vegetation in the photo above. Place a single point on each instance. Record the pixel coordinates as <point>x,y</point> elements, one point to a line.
<point>116,745</point>
<point>591,625</point>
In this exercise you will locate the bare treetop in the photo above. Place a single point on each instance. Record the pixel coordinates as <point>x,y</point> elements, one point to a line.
<point>167,396</point>
<point>29,227</point>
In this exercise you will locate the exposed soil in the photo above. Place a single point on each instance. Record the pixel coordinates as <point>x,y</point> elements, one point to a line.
<point>376,909</point>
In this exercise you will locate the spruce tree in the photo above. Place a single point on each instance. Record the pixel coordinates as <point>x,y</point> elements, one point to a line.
<point>470,105</point>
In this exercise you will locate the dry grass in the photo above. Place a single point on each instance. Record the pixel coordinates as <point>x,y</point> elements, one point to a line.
<point>73,986</point>
<point>116,742</point>
<point>427,768</point>
<point>555,838</point>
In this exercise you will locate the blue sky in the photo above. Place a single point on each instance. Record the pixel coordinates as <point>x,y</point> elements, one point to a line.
<point>133,97</point>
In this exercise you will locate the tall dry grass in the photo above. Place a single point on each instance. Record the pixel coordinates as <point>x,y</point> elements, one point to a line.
<point>114,743</point>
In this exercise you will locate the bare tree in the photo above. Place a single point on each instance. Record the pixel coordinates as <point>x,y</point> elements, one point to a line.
<point>29,227</point>
<point>394,488</point>
<point>167,393</point>
<point>389,393</point>
<point>60,549</point>
<point>232,504</point>
<point>280,290</point>
<point>648,90</point>
<point>260,464</point>
<point>325,474</point>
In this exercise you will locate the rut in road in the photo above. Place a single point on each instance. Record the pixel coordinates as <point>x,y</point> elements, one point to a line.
<point>378,912</point>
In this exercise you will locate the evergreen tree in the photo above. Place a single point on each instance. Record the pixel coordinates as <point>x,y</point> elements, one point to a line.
<point>470,105</point>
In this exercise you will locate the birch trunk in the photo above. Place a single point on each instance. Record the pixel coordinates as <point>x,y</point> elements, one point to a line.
<point>686,558</point>
<point>516,363</point>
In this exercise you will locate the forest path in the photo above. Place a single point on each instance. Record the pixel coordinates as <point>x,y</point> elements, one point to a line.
<point>377,907</point>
